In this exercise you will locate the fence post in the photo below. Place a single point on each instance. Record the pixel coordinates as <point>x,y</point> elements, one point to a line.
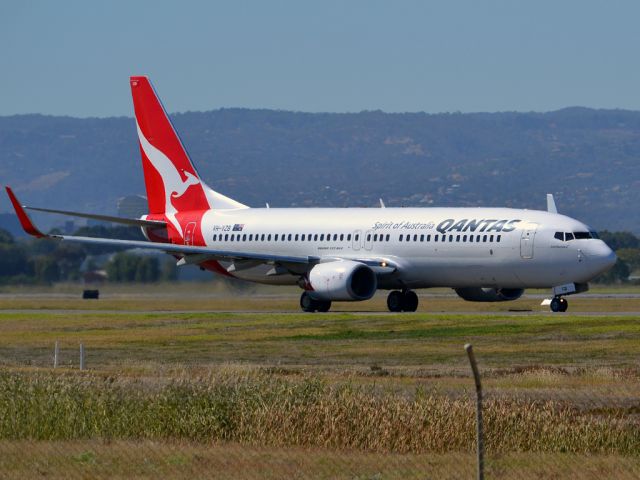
<point>81,357</point>
<point>55,355</point>
<point>479,426</point>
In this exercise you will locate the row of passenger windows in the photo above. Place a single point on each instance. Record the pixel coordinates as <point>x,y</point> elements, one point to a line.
<point>567,236</point>
<point>232,237</point>
<point>282,238</point>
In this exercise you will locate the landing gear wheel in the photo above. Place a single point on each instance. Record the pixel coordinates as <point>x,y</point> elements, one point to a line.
<point>559,304</point>
<point>563,304</point>
<point>307,303</point>
<point>395,301</point>
<point>410,301</point>
<point>324,305</point>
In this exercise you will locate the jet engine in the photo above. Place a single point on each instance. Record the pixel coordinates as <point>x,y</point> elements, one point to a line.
<point>477,294</point>
<point>342,280</point>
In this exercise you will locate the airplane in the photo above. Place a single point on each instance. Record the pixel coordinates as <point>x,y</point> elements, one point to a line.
<point>345,254</point>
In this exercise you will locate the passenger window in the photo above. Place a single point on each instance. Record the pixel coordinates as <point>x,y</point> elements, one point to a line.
<point>349,238</point>
<point>415,238</point>
<point>296,237</point>
<point>491,238</point>
<point>428,238</point>
<point>244,237</point>
<point>484,239</point>
<point>451,238</point>
<point>457,238</point>
<point>262,237</point>
<point>368,237</point>
<point>275,238</point>
<point>335,237</point>
<point>375,237</point>
<point>357,237</point>
<point>341,237</point>
<point>315,237</point>
<point>289,237</point>
<point>269,237</point>
<point>214,237</point>
<point>422,238</point>
<point>498,238</point>
<point>464,238</point>
<point>400,237</point>
<point>471,238</point>
<point>251,237</point>
<point>322,237</point>
<point>302,237</point>
<point>388,237</point>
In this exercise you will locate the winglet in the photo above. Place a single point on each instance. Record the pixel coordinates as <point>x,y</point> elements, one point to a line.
<point>25,221</point>
<point>551,204</point>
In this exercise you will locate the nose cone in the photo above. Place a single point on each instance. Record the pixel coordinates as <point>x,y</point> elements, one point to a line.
<point>601,258</point>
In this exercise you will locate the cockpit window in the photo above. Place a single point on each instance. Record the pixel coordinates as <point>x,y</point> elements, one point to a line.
<point>568,236</point>
<point>582,235</point>
<point>594,234</point>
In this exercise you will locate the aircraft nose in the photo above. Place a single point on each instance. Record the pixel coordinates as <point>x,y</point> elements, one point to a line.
<point>603,258</point>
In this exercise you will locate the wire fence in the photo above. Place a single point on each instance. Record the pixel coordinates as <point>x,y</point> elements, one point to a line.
<point>241,421</point>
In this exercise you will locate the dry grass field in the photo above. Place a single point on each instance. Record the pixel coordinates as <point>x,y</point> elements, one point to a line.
<point>185,382</point>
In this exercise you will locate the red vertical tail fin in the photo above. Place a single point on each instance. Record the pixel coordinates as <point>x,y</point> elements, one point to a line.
<point>172,182</point>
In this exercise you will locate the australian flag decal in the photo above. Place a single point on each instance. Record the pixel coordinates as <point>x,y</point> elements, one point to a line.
<point>238,227</point>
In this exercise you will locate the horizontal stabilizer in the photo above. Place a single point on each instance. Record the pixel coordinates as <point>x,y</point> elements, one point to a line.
<point>104,218</point>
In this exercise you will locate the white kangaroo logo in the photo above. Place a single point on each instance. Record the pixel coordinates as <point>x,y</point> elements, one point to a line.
<point>174,186</point>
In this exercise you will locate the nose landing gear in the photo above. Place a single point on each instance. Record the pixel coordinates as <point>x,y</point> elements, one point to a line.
<point>405,301</point>
<point>559,304</point>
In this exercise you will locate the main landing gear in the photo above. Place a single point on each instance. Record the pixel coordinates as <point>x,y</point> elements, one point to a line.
<point>310,304</point>
<point>402,301</point>
<point>559,304</point>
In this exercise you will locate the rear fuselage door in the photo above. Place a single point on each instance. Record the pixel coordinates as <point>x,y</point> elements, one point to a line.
<point>189,232</point>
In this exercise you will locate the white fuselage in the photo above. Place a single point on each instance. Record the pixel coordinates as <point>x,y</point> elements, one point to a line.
<point>446,247</point>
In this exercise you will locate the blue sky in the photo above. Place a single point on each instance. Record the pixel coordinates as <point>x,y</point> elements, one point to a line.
<point>74,57</point>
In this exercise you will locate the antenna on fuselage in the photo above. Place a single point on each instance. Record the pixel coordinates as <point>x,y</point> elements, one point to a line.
<point>382,205</point>
<point>551,204</point>
<point>267,205</point>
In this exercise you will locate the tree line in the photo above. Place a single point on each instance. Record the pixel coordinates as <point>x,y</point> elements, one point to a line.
<point>46,261</point>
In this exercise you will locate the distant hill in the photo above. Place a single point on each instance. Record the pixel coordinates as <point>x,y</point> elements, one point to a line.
<point>589,158</point>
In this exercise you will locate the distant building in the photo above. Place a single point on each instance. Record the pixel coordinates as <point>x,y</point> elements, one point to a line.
<point>132,206</point>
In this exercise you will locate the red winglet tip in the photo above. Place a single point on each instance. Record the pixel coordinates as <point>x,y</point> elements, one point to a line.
<point>25,221</point>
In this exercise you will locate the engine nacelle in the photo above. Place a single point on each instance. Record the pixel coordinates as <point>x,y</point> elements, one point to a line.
<point>477,294</point>
<point>342,280</point>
